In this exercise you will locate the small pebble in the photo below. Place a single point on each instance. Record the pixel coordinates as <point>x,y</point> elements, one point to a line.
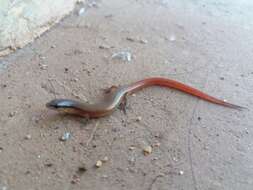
<point>42,57</point>
<point>105,159</point>
<point>157,144</point>
<point>28,137</point>
<point>172,38</point>
<point>130,39</point>
<point>199,118</point>
<point>123,55</point>
<point>11,114</point>
<point>66,70</point>
<point>99,163</point>
<point>48,165</point>
<point>158,135</point>
<point>131,160</point>
<point>104,46</point>
<point>181,172</point>
<point>81,11</point>
<point>138,118</point>
<point>131,148</point>
<point>74,79</point>
<point>143,41</point>
<point>147,150</point>
<point>82,169</point>
<point>75,179</point>
<point>43,66</point>
<point>65,136</point>
<point>4,85</point>
<point>222,78</point>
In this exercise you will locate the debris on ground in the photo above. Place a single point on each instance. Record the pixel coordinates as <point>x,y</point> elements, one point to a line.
<point>99,163</point>
<point>28,137</point>
<point>143,41</point>
<point>81,11</point>
<point>123,55</point>
<point>43,66</point>
<point>75,179</point>
<point>140,40</point>
<point>3,85</point>
<point>105,159</point>
<point>147,150</point>
<point>48,165</point>
<point>65,136</point>
<point>66,70</point>
<point>131,148</point>
<point>181,172</point>
<point>82,169</point>
<point>171,38</point>
<point>11,114</point>
<point>130,39</point>
<point>93,4</point>
<point>138,118</point>
<point>157,144</point>
<point>104,46</point>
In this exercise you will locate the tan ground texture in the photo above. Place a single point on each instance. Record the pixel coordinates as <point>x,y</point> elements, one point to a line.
<point>21,21</point>
<point>195,145</point>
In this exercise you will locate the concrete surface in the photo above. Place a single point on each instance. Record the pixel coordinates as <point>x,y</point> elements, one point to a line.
<point>21,21</point>
<point>202,146</point>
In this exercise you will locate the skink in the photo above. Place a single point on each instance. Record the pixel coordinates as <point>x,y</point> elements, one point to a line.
<point>117,95</point>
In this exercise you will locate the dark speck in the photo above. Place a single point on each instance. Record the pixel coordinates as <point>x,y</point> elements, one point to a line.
<point>222,78</point>
<point>49,165</point>
<point>199,118</point>
<point>11,114</point>
<point>66,70</point>
<point>82,169</point>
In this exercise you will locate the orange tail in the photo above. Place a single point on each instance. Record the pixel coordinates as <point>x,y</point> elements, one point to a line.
<point>181,87</point>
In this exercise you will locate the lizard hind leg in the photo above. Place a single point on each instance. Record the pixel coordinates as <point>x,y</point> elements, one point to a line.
<point>123,105</point>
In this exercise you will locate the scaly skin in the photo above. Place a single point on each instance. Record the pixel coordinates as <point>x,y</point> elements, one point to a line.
<point>117,95</point>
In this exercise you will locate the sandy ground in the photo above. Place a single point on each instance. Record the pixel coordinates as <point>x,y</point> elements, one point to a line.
<point>196,145</point>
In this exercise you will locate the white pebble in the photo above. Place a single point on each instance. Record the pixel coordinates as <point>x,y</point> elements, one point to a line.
<point>81,11</point>
<point>147,150</point>
<point>99,163</point>
<point>172,38</point>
